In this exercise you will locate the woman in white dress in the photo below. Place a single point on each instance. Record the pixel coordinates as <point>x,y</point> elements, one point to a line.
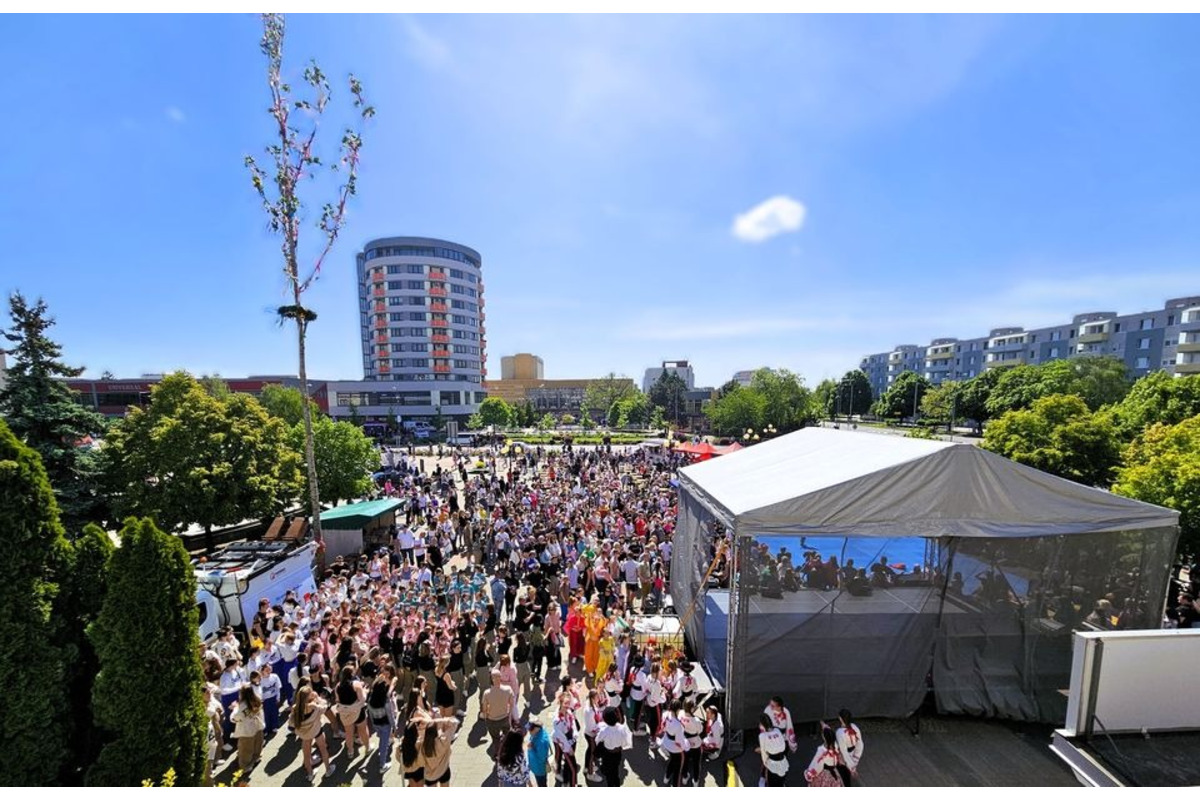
<point>823,769</point>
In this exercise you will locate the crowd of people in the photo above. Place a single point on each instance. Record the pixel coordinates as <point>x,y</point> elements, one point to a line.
<point>514,579</point>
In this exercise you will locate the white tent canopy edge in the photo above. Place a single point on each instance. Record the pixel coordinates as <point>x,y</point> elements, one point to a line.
<point>818,481</point>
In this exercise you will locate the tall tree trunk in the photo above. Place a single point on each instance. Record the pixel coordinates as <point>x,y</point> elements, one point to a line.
<point>310,457</point>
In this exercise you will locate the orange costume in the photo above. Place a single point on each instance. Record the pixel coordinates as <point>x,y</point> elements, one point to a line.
<point>595,625</point>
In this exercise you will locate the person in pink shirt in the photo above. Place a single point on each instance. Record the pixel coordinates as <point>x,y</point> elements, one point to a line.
<point>508,677</point>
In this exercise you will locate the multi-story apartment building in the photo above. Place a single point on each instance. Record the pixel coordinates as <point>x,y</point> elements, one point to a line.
<point>1166,338</point>
<point>681,368</point>
<point>424,346</point>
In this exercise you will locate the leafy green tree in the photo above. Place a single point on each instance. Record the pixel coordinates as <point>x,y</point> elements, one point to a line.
<point>658,420</point>
<point>1162,466</point>
<point>732,414</point>
<point>33,706</point>
<point>941,402</point>
<point>903,397</point>
<point>474,422</point>
<point>286,403</point>
<point>825,398</point>
<point>1059,435</point>
<point>973,397</point>
<point>632,411</point>
<point>1158,397</point>
<point>215,385</point>
<point>148,692</point>
<point>727,387</point>
<point>495,411</point>
<point>853,394</point>
<point>567,419</point>
<point>193,458</point>
<point>547,422</point>
<point>600,395</point>
<point>670,393</point>
<point>82,591</point>
<point>43,412</point>
<point>345,458</point>
<point>294,158</point>
<point>354,418</point>
<point>787,403</point>
<point>1099,380</point>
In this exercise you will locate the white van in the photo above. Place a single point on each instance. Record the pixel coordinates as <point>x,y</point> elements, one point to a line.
<point>230,584</point>
<point>419,428</point>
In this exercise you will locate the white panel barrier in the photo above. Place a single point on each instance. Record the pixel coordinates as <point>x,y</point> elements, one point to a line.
<point>1132,681</point>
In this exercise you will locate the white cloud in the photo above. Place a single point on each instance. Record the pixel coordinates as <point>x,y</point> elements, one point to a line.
<point>771,217</point>
<point>430,51</point>
<point>175,114</point>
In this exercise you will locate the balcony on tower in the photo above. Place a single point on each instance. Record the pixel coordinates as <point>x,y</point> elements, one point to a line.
<point>1189,321</point>
<point>1006,340</point>
<point>436,274</point>
<point>438,308</point>
<point>440,338</point>
<point>441,367</point>
<point>1189,342</point>
<point>378,291</point>
<point>437,291</point>
<point>441,354</point>
<point>439,323</point>
<point>380,308</point>
<point>1095,332</point>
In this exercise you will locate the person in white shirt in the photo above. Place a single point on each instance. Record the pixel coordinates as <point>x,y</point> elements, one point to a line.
<point>656,696</point>
<point>230,684</point>
<point>405,538</point>
<point>270,689</point>
<point>781,718</point>
<point>613,686</point>
<point>772,747</point>
<point>850,746</point>
<point>693,728</point>
<point>823,770</point>
<point>565,737</point>
<point>637,693</point>
<point>612,739</point>
<point>593,717</point>
<point>714,734</point>
<point>673,742</point>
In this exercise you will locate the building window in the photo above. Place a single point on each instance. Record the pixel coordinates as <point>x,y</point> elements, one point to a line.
<point>1142,363</point>
<point>418,285</point>
<point>1147,323</point>
<point>1170,320</point>
<point>1116,327</point>
<point>1054,352</point>
<point>415,269</point>
<point>1144,343</point>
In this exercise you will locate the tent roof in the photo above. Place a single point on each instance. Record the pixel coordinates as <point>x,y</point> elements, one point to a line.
<point>841,483</point>
<point>357,515</point>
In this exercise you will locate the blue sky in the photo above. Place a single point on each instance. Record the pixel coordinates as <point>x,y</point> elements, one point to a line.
<point>927,176</point>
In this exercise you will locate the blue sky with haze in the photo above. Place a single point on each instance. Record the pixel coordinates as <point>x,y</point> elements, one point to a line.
<point>740,191</point>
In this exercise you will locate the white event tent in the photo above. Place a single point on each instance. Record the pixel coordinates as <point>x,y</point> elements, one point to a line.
<point>1033,553</point>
